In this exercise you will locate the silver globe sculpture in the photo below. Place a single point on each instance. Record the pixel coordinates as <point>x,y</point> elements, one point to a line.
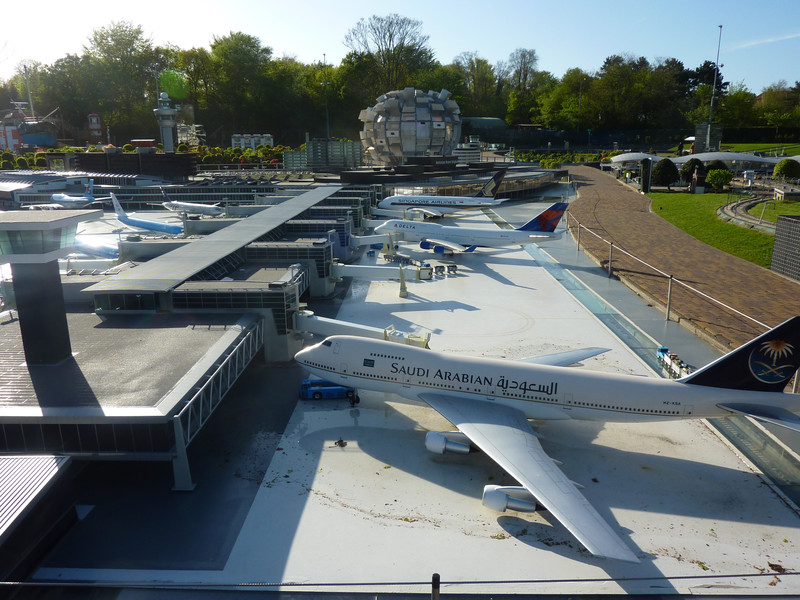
<point>410,122</point>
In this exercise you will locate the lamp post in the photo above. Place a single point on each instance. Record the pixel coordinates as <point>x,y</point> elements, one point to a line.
<point>580,99</point>
<point>713,89</point>
<point>327,112</point>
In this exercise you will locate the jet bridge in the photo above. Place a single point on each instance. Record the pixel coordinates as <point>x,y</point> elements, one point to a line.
<point>423,271</point>
<point>307,323</point>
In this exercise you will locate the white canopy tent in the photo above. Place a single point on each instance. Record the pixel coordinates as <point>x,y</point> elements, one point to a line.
<point>728,157</point>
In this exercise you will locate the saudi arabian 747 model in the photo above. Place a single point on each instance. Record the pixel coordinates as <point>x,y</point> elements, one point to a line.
<point>490,402</point>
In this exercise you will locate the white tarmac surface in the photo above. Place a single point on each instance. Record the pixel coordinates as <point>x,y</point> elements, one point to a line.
<point>381,514</point>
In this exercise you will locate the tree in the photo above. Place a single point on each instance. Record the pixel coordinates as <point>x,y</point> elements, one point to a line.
<point>522,78</point>
<point>775,105</point>
<point>393,46</point>
<point>566,106</point>
<point>123,64</point>
<point>483,92</point>
<point>737,107</point>
<point>689,167</point>
<point>787,168</point>
<point>716,165</point>
<point>522,64</point>
<point>238,65</point>
<point>719,178</point>
<point>665,173</point>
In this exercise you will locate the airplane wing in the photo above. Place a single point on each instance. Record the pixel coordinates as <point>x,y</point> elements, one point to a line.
<point>768,414</point>
<point>429,212</point>
<point>564,359</point>
<point>449,245</point>
<point>506,436</point>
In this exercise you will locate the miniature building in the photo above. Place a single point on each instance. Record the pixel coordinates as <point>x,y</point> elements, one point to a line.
<point>410,122</point>
<point>251,140</point>
<point>166,117</point>
<point>33,241</point>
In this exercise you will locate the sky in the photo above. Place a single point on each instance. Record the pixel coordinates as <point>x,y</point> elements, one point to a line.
<point>759,43</point>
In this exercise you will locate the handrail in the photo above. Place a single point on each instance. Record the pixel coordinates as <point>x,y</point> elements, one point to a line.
<point>671,278</point>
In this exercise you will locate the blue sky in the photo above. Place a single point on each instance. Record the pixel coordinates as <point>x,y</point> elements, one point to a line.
<point>760,41</point>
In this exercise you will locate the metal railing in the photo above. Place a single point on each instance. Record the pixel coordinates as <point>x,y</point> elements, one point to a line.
<point>190,420</point>
<point>669,279</point>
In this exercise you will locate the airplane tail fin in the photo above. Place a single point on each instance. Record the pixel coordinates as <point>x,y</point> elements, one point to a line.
<point>547,220</point>
<point>765,364</point>
<point>117,206</point>
<point>490,189</point>
<point>164,194</point>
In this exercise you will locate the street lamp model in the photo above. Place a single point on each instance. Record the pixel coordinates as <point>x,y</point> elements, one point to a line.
<point>713,89</point>
<point>327,112</point>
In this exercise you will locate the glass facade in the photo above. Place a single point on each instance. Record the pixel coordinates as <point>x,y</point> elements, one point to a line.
<point>36,242</point>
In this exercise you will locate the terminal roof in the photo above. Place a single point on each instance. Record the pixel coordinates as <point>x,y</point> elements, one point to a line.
<point>169,270</point>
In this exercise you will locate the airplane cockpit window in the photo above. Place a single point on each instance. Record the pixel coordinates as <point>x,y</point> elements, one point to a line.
<point>326,343</point>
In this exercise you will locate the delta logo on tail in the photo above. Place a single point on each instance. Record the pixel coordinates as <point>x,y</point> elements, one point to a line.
<point>547,220</point>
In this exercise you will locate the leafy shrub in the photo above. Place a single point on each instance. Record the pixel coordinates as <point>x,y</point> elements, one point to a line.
<point>128,148</point>
<point>40,161</point>
<point>665,173</point>
<point>719,178</point>
<point>22,163</point>
<point>716,165</point>
<point>787,168</point>
<point>687,170</point>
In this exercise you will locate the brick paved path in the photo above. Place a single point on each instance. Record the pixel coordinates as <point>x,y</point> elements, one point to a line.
<point>622,216</point>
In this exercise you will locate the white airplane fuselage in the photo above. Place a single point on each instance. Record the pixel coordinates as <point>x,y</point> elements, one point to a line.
<point>539,391</point>
<point>193,208</point>
<point>466,236</point>
<point>442,204</point>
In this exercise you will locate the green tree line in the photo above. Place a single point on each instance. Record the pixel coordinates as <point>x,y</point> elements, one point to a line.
<point>237,85</point>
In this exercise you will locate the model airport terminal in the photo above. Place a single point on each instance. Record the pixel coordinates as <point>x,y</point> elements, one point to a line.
<point>151,433</point>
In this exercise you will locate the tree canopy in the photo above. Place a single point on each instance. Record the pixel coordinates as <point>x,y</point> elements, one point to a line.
<point>236,85</point>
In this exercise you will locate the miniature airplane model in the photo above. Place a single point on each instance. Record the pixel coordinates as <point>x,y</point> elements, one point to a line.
<point>69,201</point>
<point>436,206</point>
<point>190,208</point>
<point>163,227</point>
<point>490,402</point>
<point>444,238</point>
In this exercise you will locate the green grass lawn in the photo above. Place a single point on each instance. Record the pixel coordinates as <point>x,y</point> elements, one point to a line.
<point>774,209</point>
<point>696,214</point>
<point>788,149</point>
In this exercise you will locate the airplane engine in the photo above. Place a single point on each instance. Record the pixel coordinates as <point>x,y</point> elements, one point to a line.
<point>502,498</point>
<point>437,249</point>
<point>440,442</point>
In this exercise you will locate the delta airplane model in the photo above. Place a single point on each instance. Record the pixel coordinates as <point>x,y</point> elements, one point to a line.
<point>445,238</point>
<point>190,208</point>
<point>490,401</point>
<point>161,226</point>
<point>436,206</point>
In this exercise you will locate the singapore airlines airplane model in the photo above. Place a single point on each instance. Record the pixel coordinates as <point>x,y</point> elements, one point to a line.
<point>190,208</point>
<point>491,400</point>
<point>444,238</point>
<point>436,206</point>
